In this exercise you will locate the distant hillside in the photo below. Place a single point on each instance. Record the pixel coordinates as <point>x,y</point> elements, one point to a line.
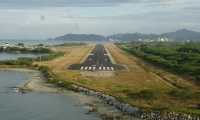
<point>81,37</point>
<point>179,35</point>
<point>134,36</point>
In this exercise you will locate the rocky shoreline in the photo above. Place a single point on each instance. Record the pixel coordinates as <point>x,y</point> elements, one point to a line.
<point>37,81</point>
<point>135,112</point>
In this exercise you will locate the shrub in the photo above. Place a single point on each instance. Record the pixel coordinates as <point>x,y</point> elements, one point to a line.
<point>146,94</point>
<point>178,93</point>
<point>24,62</point>
<point>35,65</point>
<point>198,105</point>
<point>126,90</point>
<point>195,95</point>
<point>65,84</point>
<point>50,56</point>
<point>198,78</point>
<point>44,68</point>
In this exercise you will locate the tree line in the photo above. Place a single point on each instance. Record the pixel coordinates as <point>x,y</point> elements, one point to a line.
<point>25,49</point>
<point>177,57</point>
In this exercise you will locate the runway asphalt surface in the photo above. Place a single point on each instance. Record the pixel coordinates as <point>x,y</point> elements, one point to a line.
<point>97,59</point>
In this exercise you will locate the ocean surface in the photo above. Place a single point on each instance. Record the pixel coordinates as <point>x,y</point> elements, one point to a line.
<point>37,105</point>
<point>14,56</point>
<point>48,42</point>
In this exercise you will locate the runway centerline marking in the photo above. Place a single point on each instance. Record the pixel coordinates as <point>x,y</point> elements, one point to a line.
<point>98,58</point>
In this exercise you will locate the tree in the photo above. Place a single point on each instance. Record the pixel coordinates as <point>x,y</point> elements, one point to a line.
<point>8,49</point>
<point>20,44</point>
<point>14,49</point>
<point>40,45</point>
<point>45,68</point>
<point>146,94</point>
<point>1,49</point>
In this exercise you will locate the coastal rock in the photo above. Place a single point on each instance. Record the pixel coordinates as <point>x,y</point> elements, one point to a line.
<point>93,109</point>
<point>132,110</point>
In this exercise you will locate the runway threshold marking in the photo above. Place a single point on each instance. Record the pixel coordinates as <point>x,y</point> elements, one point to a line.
<point>90,68</point>
<point>82,68</point>
<point>94,68</point>
<point>112,68</point>
<point>108,68</point>
<point>86,68</point>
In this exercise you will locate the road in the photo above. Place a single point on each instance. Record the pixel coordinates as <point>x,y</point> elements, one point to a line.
<point>97,59</point>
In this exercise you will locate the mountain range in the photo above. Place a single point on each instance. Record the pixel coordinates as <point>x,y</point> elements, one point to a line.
<point>179,35</point>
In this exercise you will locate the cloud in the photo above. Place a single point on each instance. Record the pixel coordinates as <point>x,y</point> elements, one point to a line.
<point>51,18</point>
<point>25,23</point>
<point>21,4</point>
<point>189,24</point>
<point>195,8</point>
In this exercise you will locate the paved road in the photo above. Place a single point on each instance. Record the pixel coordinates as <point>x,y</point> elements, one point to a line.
<point>98,59</point>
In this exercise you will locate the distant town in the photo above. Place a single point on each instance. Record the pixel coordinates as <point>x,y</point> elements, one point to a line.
<point>144,40</point>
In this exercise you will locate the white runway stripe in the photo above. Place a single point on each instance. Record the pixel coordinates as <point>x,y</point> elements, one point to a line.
<point>94,68</point>
<point>108,68</point>
<point>112,68</point>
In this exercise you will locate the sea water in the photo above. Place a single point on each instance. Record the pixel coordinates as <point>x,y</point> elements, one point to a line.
<point>49,42</point>
<point>37,105</point>
<point>14,56</point>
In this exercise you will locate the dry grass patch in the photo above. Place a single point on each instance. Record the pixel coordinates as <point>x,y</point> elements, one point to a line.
<point>74,55</point>
<point>125,86</point>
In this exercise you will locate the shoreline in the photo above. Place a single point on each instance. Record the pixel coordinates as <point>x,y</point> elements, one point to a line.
<point>106,108</point>
<point>37,82</point>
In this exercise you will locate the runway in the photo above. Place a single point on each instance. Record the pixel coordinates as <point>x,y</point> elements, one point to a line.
<point>98,59</point>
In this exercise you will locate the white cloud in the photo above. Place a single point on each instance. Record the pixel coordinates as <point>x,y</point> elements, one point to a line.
<point>52,18</point>
<point>188,24</point>
<point>25,23</point>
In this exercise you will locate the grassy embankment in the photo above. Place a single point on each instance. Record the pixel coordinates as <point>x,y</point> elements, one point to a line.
<point>139,87</point>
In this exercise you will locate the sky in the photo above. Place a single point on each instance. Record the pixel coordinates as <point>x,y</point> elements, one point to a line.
<point>42,19</point>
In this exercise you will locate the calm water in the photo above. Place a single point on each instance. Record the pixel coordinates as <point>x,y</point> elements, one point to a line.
<point>14,56</point>
<point>47,42</point>
<point>36,105</point>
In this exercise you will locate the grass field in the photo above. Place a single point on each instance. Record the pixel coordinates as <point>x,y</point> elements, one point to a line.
<point>145,85</point>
